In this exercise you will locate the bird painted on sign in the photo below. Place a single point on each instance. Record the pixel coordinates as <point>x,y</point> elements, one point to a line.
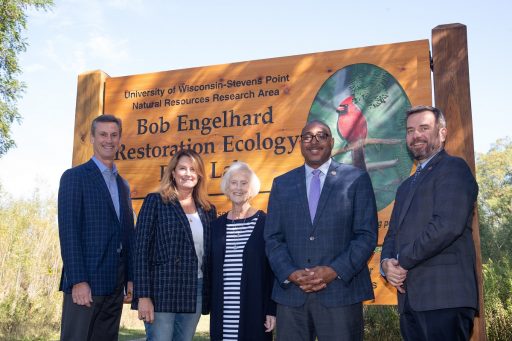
<point>352,126</point>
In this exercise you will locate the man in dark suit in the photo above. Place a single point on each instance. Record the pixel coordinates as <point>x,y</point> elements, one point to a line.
<point>321,229</point>
<point>96,236</point>
<point>428,253</point>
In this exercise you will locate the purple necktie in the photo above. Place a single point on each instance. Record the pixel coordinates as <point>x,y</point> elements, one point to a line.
<point>314,193</point>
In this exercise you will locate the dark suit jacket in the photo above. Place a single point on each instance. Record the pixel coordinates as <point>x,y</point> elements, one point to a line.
<point>90,231</point>
<point>166,264</point>
<point>255,286</point>
<point>430,231</point>
<point>344,234</point>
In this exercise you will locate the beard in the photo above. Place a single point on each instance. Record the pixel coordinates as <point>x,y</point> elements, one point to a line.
<point>424,152</point>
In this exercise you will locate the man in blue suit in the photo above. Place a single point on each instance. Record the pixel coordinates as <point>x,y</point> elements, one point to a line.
<point>321,229</point>
<point>96,236</point>
<point>428,253</point>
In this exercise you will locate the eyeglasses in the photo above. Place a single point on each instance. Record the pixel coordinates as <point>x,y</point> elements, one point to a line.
<point>320,137</point>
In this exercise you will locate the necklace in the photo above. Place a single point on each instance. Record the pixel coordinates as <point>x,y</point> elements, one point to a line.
<point>235,235</point>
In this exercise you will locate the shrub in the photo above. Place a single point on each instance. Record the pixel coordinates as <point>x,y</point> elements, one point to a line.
<point>30,303</point>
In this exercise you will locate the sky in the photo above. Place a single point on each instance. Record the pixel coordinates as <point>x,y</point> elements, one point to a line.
<point>123,37</point>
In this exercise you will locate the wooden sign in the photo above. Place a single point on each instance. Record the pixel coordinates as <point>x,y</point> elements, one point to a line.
<point>254,112</point>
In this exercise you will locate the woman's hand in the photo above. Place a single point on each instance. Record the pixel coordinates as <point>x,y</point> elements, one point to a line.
<point>146,310</point>
<point>270,323</point>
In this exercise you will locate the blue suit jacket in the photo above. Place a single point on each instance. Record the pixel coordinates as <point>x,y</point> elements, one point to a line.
<point>166,263</point>
<point>344,234</point>
<point>90,231</point>
<point>430,231</point>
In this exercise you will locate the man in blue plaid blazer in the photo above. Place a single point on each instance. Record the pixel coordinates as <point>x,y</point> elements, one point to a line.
<point>96,235</point>
<point>320,256</point>
<point>428,253</point>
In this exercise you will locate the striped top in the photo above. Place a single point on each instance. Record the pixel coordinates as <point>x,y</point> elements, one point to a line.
<point>237,233</point>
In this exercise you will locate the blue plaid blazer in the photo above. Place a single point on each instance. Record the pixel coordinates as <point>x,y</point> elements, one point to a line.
<point>166,264</point>
<point>343,234</point>
<point>90,231</point>
<point>430,232</point>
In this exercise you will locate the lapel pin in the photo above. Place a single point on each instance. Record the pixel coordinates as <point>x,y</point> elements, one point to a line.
<point>333,172</point>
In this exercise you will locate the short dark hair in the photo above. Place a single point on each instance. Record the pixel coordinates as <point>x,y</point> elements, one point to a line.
<point>106,118</point>
<point>319,122</point>
<point>438,114</point>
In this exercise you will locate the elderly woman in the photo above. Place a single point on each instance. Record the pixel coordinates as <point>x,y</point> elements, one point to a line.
<point>171,280</point>
<point>241,276</point>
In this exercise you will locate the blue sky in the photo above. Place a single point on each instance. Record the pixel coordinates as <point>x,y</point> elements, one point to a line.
<point>123,37</point>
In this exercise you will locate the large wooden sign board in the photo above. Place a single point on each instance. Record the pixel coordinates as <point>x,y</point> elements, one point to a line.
<point>254,111</point>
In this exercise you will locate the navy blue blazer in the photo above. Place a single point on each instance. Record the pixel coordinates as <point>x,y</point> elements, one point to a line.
<point>166,264</point>
<point>430,231</point>
<point>342,236</point>
<point>90,231</point>
<point>255,286</point>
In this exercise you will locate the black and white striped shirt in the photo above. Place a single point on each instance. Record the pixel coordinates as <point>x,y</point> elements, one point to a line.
<point>237,234</point>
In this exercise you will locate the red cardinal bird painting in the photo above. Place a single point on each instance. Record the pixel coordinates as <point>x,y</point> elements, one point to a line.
<point>352,126</point>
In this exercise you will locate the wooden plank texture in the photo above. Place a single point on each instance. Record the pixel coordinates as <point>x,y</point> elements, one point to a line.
<point>89,104</point>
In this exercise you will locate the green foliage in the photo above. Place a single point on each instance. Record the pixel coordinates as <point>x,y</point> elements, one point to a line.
<point>13,21</point>
<point>381,322</point>
<point>498,303</point>
<point>494,175</point>
<point>29,269</point>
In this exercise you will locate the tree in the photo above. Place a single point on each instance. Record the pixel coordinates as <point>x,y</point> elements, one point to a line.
<point>13,21</point>
<point>494,174</point>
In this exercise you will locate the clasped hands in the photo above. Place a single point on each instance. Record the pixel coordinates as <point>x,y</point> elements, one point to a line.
<point>314,279</point>
<point>395,274</point>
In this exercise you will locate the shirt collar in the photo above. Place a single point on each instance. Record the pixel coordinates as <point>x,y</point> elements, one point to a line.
<point>102,166</point>
<point>424,163</point>
<point>324,168</point>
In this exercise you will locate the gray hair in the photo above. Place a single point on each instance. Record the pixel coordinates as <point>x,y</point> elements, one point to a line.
<point>106,119</point>
<point>238,166</point>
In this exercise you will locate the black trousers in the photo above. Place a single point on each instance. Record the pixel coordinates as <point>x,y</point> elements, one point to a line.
<point>453,324</point>
<point>313,320</point>
<point>100,322</point>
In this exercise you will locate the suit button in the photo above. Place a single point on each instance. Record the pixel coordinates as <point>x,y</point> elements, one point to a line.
<point>312,238</point>
<point>309,260</point>
<point>177,260</point>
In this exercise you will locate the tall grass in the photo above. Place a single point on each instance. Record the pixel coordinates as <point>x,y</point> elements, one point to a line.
<point>30,264</point>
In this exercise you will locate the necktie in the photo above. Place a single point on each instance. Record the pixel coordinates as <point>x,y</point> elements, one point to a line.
<point>314,193</point>
<point>416,175</point>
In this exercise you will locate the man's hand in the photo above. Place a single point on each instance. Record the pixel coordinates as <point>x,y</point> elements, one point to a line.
<point>314,279</point>
<point>326,273</point>
<point>81,294</point>
<point>129,293</point>
<point>146,310</point>
<point>395,274</point>
<point>306,280</point>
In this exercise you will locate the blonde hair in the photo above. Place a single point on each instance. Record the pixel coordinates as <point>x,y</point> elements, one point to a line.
<point>168,190</point>
<point>254,181</point>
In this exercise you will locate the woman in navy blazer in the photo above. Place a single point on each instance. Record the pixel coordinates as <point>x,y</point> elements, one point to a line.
<point>240,268</point>
<point>171,281</point>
